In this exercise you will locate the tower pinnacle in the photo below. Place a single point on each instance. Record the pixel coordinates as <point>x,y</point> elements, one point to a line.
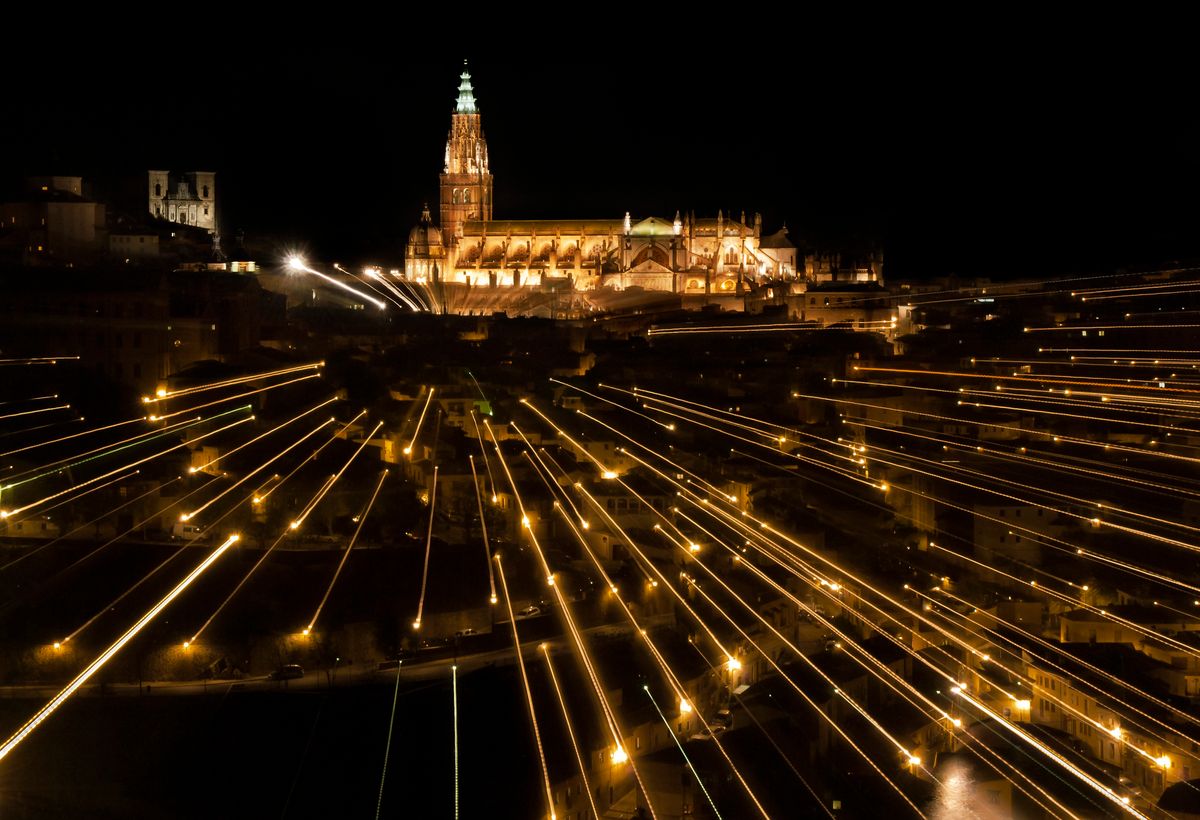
<point>466,94</point>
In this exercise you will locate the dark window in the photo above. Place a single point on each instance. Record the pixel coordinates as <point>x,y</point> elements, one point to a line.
<point>157,189</point>
<point>205,195</point>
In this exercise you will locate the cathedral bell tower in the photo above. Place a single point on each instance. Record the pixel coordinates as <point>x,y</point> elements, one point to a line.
<point>466,180</point>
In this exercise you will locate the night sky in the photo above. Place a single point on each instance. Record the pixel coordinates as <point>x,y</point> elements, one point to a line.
<point>1027,155</point>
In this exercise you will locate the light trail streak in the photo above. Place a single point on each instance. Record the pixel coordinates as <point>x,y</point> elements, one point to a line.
<point>1056,437</point>
<point>256,391</point>
<point>296,264</point>
<point>816,707</point>
<point>1093,519</point>
<point>163,394</point>
<point>789,433</point>
<point>63,464</point>
<point>688,760</point>
<point>121,535</point>
<point>906,648</point>
<point>73,499</point>
<point>1110,327</point>
<point>487,550</point>
<point>564,609</point>
<point>86,524</point>
<point>537,737</point>
<point>105,656</point>
<point>329,484</point>
<point>388,749</point>
<point>420,420</point>
<point>111,606</point>
<point>39,502</point>
<point>583,778</point>
<point>35,412</point>
<point>854,704</point>
<point>362,519</point>
<point>487,464</point>
<point>454,690</point>
<point>61,439</point>
<point>262,499</point>
<point>39,360</point>
<point>1090,467</point>
<point>671,678</point>
<point>23,430</point>
<point>709,509</point>
<point>365,278</point>
<point>261,436</point>
<point>51,397</point>
<point>650,419</point>
<point>996,639</point>
<point>790,327</point>
<point>1083,776</point>
<point>286,531</point>
<point>1037,588</point>
<point>1040,379</point>
<point>428,549</point>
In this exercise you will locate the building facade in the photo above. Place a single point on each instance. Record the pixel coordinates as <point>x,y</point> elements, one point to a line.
<point>189,198</point>
<point>686,254</point>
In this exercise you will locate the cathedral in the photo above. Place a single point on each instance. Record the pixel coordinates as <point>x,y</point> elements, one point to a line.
<point>684,254</point>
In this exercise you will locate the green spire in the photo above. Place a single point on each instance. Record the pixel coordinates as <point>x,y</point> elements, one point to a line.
<point>466,95</point>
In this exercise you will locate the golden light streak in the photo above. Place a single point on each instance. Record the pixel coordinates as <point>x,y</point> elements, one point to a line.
<point>296,264</point>
<point>304,513</point>
<point>1081,775</point>
<point>39,502</point>
<point>583,778</point>
<point>564,609</point>
<point>34,412</point>
<point>263,389</point>
<point>362,519</point>
<point>162,393</point>
<point>62,464</point>
<point>487,550</point>
<point>412,442</point>
<point>650,419</point>
<point>262,499</point>
<point>86,524</point>
<point>72,436</point>
<point>428,549</point>
<point>116,647</point>
<point>209,528</point>
<point>483,449</point>
<point>261,436</point>
<point>537,737</point>
<point>39,360</point>
<point>287,530</point>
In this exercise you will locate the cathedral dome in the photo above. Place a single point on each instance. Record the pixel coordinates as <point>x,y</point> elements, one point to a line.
<point>425,239</point>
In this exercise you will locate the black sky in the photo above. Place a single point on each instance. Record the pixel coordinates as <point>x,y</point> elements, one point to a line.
<point>1023,155</point>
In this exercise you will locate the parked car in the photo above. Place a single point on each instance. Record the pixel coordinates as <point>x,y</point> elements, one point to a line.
<point>529,612</point>
<point>723,718</point>
<point>288,671</point>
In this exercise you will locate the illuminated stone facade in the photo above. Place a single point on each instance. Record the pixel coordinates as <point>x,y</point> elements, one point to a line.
<point>189,198</point>
<point>686,254</point>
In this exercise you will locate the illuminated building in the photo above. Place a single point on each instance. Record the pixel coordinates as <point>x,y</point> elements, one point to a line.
<point>188,198</point>
<point>686,254</point>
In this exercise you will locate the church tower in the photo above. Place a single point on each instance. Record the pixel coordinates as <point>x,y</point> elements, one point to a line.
<point>466,180</point>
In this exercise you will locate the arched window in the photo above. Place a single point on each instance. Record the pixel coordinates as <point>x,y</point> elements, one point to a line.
<point>454,197</point>
<point>157,189</point>
<point>466,196</point>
